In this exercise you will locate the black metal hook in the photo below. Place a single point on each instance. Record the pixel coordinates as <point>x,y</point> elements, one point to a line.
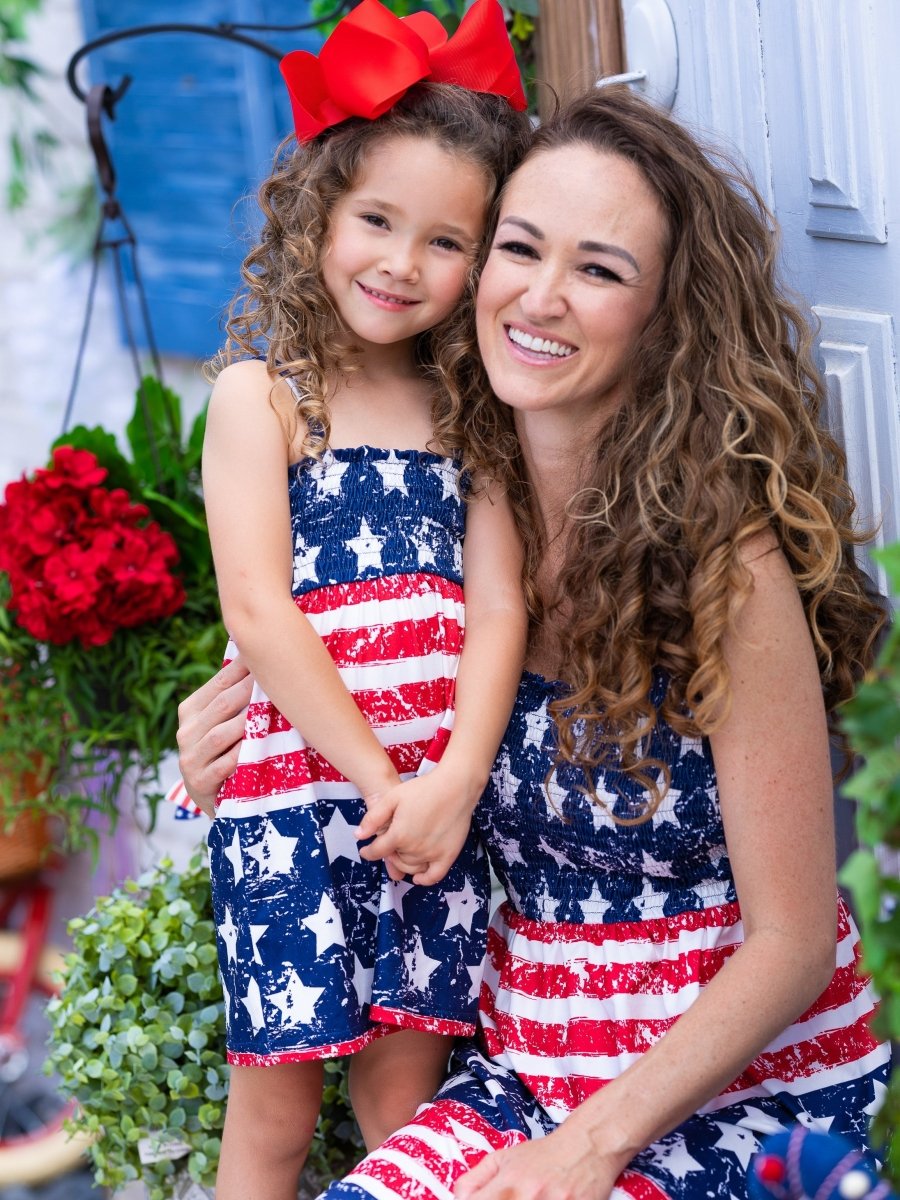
<point>227,30</point>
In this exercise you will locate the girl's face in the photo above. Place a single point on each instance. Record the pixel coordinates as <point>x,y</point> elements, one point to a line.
<point>402,241</point>
<point>571,281</point>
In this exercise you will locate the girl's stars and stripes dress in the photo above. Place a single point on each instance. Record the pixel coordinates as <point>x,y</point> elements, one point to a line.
<point>319,951</point>
<point>608,934</point>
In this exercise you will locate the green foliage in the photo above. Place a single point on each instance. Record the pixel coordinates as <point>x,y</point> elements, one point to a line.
<point>75,714</point>
<point>872,722</point>
<point>138,1036</point>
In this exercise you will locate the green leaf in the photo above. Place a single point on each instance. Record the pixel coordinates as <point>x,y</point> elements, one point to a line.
<point>154,433</point>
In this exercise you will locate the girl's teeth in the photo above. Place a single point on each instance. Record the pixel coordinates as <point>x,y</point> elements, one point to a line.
<point>538,345</point>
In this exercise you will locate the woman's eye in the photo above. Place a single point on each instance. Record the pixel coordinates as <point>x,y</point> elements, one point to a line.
<point>375,219</point>
<point>522,249</point>
<point>596,271</point>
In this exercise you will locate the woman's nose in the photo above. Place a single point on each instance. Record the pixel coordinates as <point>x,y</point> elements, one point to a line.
<point>544,298</point>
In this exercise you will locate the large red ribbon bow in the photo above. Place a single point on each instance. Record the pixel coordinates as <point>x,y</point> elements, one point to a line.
<point>372,57</point>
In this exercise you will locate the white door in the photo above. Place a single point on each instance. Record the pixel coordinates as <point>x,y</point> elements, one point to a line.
<point>808,93</point>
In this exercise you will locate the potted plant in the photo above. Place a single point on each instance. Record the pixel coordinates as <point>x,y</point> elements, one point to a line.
<point>108,613</point>
<point>138,1036</point>
<point>872,721</point>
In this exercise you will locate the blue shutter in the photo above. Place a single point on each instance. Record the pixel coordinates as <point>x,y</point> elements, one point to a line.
<point>193,135</point>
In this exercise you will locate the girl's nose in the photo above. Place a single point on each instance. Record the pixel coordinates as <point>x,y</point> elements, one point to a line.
<point>400,263</point>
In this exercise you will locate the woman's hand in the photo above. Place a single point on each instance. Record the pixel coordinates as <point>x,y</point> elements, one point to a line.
<point>565,1165</point>
<point>210,727</point>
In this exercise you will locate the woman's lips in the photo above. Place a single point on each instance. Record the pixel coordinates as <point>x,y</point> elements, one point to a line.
<point>537,348</point>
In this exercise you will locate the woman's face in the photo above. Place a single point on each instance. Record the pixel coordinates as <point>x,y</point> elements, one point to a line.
<point>571,280</point>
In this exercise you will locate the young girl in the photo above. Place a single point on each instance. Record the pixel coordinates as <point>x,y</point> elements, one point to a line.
<point>338,487</point>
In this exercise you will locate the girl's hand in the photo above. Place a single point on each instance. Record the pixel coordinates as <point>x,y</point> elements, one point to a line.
<point>565,1165</point>
<point>421,822</point>
<point>210,727</point>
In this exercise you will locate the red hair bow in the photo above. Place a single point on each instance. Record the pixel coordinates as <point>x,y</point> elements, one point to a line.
<point>372,57</point>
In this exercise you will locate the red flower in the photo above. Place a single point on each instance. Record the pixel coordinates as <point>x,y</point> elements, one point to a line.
<point>83,560</point>
<point>72,468</point>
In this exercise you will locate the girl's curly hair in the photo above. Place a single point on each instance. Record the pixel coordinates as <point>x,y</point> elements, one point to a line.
<point>283,307</point>
<point>719,440</point>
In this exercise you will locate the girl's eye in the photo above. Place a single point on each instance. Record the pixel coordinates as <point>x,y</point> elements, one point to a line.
<point>444,243</point>
<point>375,220</point>
<point>596,271</point>
<point>520,249</point>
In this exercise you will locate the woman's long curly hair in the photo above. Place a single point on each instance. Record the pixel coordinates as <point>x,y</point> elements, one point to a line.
<point>283,308</point>
<point>719,439</point>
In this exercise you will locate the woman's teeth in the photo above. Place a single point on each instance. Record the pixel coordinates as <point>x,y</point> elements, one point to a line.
<point>539,345</point>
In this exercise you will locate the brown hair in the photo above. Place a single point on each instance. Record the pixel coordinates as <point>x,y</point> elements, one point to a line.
<point>718,441</point>
<point>283,307</point>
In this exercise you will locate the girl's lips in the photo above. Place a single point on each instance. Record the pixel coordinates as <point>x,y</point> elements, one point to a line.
<point>533,357</point>
<point>387,300</point>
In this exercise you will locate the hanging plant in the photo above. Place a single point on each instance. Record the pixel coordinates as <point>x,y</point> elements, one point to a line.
<point>108,613</point>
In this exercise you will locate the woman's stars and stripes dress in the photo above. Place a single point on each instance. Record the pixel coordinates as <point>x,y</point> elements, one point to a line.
<point>319,951</point>
<point>608,934</point>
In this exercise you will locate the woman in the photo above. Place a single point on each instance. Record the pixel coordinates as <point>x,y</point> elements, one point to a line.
<point>662,986</point>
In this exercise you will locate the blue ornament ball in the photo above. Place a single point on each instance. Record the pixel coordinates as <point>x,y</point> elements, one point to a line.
<point>802,1164</point>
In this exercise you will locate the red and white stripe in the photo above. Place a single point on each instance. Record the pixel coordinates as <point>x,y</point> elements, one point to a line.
<point>568,1016</point>
<point>178,795</point>
<point>396,643</point>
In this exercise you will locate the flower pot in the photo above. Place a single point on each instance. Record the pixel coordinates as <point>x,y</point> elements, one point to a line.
<point>23,846</point>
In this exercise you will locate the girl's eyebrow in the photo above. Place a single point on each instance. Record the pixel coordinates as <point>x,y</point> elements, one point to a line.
<point>591,247</point>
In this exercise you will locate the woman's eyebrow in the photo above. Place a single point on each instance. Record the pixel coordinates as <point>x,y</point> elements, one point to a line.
<point>591,247</point>
<point>606,248</point>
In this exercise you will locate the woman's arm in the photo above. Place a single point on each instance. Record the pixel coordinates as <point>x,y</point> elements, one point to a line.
<point>245,485</point>
<point>773,768</point>
<point>429,816</point>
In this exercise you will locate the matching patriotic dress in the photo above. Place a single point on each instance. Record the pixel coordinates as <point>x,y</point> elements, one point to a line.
<point>319,951</point>
<point>608,934</point>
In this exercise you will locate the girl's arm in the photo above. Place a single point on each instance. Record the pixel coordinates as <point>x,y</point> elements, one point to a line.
<point>775,786</point>
<point>429,816</point>
<point>245,486</point>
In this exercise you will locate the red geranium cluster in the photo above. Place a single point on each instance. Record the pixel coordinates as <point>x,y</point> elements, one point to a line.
<point>82,560</point>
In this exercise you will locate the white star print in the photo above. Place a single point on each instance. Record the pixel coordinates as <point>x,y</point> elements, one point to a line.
<point>475,974</point>
<point>596,903</point>
<point>362,981</point>
<point>328,475</point>
<point>449,486</point>
<point>228,932</point>
<point>367,547</point>
<point>424,549</point>
<point>297,1002</point>
<point>419,966</point>
<point>666,811</point>
<point>392,896</point>
<point>305,561</point>
<point>536,725</point>
<point>655,866</point>
<point>743,1145</point>
<point>326,925</point>
<point>233,854</point>
<point>557,855</point>
<point>340,838</point>
<point>226,996</point>
<point>392,471</point>
<point>253,1004</point>
<point>504,778</point>
<point>510,852</point>
<point>256,932</point>
<point>462,907</point>
<point>274,853</point>
<point>676,1159</point>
